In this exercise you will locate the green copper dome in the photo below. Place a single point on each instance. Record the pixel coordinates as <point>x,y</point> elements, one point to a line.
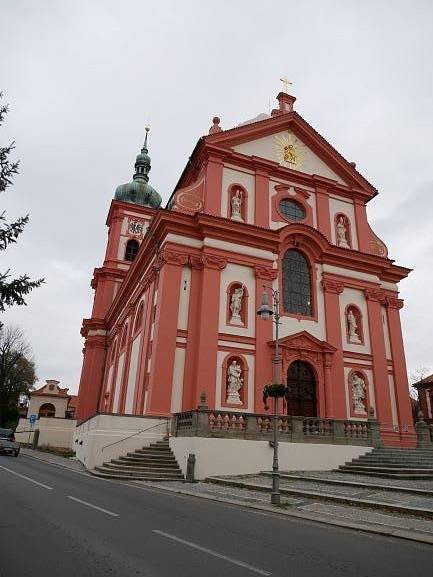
<point>139,191</point>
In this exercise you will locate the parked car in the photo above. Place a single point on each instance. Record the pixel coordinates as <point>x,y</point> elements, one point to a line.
<point>7,442</point>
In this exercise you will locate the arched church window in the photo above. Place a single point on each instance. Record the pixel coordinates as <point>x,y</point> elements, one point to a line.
<point>296,283</point>
<point>291,209</point>
<point>131,250</point>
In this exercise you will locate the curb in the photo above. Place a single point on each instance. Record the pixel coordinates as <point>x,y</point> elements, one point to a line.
<point>364,526</point>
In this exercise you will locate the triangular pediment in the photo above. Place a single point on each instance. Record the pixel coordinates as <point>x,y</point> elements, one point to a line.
<point>304,341</point>
<point>289,141</point>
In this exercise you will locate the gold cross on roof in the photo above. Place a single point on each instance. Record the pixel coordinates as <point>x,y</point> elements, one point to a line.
<point>286,83</point>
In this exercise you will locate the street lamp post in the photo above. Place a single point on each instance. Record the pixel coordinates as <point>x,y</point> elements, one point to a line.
<point>277,388</point>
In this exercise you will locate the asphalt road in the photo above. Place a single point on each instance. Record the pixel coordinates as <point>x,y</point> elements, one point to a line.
<point>57,522</point>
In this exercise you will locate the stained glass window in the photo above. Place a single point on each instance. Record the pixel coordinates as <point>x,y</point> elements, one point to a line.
<point>296,283</point>
<point>291,209</point>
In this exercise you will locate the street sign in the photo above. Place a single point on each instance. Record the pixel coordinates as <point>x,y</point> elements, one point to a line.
<point>32,419</point>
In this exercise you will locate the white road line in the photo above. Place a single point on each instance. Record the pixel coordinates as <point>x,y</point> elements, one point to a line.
<point>26,478</point>
<point>93,506</point>
<point>213,553</point>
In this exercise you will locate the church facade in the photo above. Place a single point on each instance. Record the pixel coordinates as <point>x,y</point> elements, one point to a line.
<point>266,206</point>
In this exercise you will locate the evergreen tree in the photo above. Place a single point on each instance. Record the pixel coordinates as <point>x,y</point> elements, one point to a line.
<point>12,290</point>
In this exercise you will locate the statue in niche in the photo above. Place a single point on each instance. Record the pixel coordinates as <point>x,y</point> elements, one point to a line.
<point>236,305</point>
<point>236,203</point>
<point>234,383</point>
<point>342,232</point>
<point>358,394</point>
<point>353,328</point>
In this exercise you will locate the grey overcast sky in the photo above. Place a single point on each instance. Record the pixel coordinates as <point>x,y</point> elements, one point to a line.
<point>82,77</point>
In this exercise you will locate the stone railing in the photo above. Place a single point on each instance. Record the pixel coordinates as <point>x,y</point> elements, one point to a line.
<point>253,426</point>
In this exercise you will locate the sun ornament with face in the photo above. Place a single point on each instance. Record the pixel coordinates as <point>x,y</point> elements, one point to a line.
<point>289,150</point>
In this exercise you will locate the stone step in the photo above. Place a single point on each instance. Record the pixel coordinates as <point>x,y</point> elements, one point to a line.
<point>151,458</point>
<point>376,485</point>
<point>152,450</point>
<point>390,473</point>
<point>142,474</point>
<point>368,503</point>
<point>145,463</point>
<point>154,478</point>
<point>162,470</point>
<point>391,465</point>
<point>402,452</point>
<point>381,467</point>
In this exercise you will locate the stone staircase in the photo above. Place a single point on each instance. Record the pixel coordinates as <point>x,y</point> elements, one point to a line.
<point>392,463</point>
<point>153,463</point>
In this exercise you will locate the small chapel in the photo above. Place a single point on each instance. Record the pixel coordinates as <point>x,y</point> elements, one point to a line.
<point>266,206</point>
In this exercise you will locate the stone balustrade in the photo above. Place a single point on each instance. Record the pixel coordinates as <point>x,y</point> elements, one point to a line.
<point>252,426</point>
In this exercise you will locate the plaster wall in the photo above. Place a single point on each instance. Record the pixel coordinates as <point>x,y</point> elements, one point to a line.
<point>118,382</point>
<point>132,375</point>
<point>241,457</point>
<point>355,297</point>
<point>60,404</point>
<point>178,374</point>
<point>52,431</point>
<point>311,200</point>
<point>239,248</point>
<point>386,332</point>
<point>346,207</point>
<point>246,276</point>
<point>265,148</point>
<point>232,176</point>
<point>292,324</point>
<point>185,288</point>
<point>96,434</point>
<point>394,412</point>
<point>221,382</point>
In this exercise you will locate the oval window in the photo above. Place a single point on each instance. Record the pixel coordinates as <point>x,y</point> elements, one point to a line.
<point>291,209</point>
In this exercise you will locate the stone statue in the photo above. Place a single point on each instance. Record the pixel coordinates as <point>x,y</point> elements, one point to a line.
<point>236,203</point>
<point>342,232</point>
<point>236,305</point>
<point>234,383</point>
<point>353,326</point>
<point>358,394</point>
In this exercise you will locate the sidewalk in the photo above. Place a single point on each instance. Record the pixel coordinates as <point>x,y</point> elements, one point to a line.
<point>68,463</point>
<point>372,520</point>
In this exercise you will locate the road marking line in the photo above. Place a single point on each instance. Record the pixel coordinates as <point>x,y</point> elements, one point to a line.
<point>213,553</point>
<point>26,478</point>
<point>93,506</point>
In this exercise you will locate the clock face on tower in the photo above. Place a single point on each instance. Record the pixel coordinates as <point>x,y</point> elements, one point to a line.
<point>135,227</point>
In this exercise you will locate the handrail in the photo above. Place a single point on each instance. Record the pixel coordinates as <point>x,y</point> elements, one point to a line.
<point>134,434</point>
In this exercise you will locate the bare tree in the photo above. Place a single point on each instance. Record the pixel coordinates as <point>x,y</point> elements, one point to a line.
<point>17,372</point>
<point>417,376</point>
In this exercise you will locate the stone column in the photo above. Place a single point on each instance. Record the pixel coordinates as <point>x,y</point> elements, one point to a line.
<point>165,331</point>
<point>214,180</point>
<point>401,386</point>
<point>208,329</point>
<point>264,335</point>
<point>337,394</point>
<point>261,195</point>
<point>375,298</point>
<point>91,375</point>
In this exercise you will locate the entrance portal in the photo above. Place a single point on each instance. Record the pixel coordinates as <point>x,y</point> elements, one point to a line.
<point>301,395</point>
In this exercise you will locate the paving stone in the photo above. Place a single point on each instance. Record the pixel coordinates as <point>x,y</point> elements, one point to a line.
<point>70,463</point>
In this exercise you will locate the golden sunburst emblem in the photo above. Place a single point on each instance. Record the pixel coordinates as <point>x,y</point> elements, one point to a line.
<point>289,150</point>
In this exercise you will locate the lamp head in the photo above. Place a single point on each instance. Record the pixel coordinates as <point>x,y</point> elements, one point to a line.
<point>265,311</point>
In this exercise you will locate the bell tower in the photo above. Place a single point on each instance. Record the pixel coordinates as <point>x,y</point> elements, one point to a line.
<point>132,209</point>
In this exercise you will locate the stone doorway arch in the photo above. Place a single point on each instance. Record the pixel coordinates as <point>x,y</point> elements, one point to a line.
<point>301,396</point>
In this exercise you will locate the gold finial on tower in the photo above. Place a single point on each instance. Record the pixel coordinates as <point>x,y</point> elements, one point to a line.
<point>286,83</point>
